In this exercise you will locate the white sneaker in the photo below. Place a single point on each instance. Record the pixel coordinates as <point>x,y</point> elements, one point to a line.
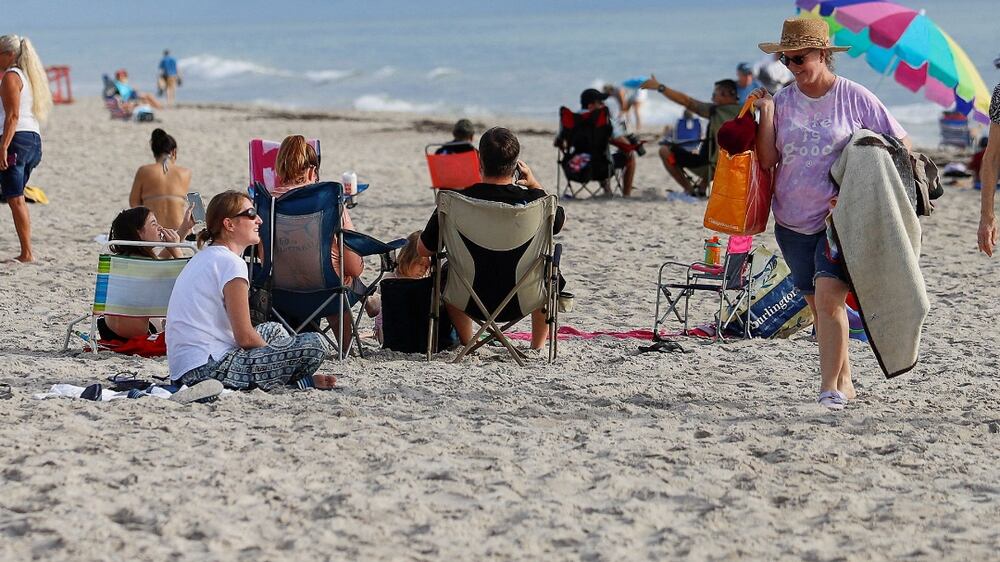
<point>832,399</point>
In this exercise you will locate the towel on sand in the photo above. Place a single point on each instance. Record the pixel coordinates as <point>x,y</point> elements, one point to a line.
<point>879,239</point>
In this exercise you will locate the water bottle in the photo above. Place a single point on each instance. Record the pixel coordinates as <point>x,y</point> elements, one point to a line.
<point>350,183</point>
<point>713,251</point>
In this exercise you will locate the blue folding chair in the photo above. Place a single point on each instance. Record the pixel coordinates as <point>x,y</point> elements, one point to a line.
<point>298,231</point>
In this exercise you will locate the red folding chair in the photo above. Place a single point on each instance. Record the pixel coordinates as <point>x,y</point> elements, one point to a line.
<point>453,170</point>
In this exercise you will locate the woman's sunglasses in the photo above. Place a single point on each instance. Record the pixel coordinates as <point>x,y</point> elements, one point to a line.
<point>798,59</point>
<point>250,213</point>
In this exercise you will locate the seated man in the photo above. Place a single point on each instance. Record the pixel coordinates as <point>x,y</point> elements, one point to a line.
<point>624,156</point>
<point>498,152</point>
<point>462,141</point>
<point>722,108</point>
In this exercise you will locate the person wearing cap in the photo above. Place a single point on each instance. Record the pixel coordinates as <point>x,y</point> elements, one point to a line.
<point>989,172</point>
<point>462,134</point>
<point>722,108</point>
<point>745,81</point>
<point>803,129</point>
<point>624,156</point>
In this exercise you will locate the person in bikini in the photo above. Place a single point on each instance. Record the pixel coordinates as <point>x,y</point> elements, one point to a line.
<point>163,185</point>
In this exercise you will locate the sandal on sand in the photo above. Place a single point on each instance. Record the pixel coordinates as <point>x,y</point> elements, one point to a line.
<point>832,399</point>
<point>663,346</point>
<point>205,391</point>
<point>319,382</point>
<point>126,381</point>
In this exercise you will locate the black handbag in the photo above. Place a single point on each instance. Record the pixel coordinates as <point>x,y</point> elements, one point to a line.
<point>260,303</point>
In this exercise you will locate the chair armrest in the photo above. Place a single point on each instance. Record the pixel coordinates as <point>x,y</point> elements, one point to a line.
<point>557,255</point>
<point>365,245</point>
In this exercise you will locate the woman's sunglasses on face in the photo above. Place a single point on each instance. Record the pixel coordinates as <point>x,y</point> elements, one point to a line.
<point>250,213</point>
<point>798,59</point>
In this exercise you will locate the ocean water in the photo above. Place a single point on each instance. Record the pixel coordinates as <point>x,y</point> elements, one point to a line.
<point>522,58</point>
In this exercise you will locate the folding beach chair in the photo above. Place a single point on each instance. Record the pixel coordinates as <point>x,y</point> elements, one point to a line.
<point>584,153</point>
<point>297,232</point>
<point>263,154</point>
<point>452,170</point>
<point>502,266</point>
<point>729,281</point>
<point>119,108</point>
<point>130,286</point>
<point>955,130</point>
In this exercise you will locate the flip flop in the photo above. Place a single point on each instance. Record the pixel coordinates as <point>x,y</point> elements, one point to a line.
<point>126,381</point>
<point>663,346</point>
<point>92,392</point>
<point>205,391</point>
<point>319,382</point>
<point>832,400</point>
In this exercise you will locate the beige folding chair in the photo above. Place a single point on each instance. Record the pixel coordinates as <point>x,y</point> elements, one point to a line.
<point>502,266</point>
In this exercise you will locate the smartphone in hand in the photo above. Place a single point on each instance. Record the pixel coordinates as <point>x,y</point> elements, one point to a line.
<point>197,206</point>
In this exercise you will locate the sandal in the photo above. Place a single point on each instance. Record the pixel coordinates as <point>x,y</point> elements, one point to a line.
<point>832,399</point>
<point>663,346</point>
<point>126,381</point>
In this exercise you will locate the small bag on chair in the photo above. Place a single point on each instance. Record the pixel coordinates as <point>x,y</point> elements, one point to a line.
<point>740,203</point>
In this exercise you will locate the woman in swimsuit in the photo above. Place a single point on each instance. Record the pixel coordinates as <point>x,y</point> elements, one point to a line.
<point>163,185</point>
<point>139,224</point>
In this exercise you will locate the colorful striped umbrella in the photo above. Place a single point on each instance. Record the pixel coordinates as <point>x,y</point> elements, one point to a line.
<point>906,43</point>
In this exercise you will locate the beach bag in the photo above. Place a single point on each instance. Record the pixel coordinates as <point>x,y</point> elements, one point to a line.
<point>740,203</point>
<point>260,303</point>
<point>777,308</point>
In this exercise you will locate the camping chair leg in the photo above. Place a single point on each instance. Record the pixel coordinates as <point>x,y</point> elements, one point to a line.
<point>93,331</point>
<point>491,336</point>
<point>69,329</point>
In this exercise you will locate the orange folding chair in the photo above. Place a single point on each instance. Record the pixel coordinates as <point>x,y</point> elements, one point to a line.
<point>452,170</point>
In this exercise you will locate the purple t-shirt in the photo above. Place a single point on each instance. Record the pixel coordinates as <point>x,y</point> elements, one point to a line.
<point>811,133</point>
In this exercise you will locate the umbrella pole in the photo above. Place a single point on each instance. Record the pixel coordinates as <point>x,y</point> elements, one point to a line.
<point>888,69</point>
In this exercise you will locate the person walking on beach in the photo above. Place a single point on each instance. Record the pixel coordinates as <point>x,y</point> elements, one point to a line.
<point>169,75</point>
<point>26,102</point>
<point>988,174</point>
<point>803,130</point>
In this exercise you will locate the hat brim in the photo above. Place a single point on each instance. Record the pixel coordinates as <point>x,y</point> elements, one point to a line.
<point>771,48</point>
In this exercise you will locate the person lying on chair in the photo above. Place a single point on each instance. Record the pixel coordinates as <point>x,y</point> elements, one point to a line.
<point>722,108</point>
<point>498,152</point>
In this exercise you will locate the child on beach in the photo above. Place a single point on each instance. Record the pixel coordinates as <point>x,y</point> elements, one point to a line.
<point>409,265</point>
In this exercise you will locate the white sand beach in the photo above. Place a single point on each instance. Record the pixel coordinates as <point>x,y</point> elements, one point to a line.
<point>717,454</point>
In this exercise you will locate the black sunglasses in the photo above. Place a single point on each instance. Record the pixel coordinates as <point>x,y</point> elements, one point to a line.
<point>250,213</point>
<point>798,59</point>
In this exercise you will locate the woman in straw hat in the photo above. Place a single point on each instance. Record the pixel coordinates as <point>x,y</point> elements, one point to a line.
<point>803,130</point>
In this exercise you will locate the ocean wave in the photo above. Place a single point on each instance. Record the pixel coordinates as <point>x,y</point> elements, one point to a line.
<point>384,72</point>
<point>917,113</point>
<point>441,72</point>
<point>382,102</point>
<point>211,67</point>
<point>325,76</point>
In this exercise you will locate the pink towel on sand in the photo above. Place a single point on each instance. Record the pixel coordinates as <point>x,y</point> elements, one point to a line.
<point>568,332</point>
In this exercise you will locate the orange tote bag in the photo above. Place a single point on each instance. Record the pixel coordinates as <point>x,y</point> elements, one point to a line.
<point>740,203</point>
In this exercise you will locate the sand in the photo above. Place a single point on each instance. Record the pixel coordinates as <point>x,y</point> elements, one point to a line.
<point>720,453</point>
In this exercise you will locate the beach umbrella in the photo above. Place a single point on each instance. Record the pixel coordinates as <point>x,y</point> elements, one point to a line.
<point>906,43</point>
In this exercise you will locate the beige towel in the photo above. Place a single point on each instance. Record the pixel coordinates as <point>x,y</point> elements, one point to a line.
<point>879,238</point>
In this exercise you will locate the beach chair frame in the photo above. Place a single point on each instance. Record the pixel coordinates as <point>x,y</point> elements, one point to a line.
<point>103,290</point>
<point>569,121</point>
<point>730,282</point>
<point>529,226</point>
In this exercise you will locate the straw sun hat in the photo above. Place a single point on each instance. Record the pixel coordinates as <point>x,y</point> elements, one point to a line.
<point>802,33</point>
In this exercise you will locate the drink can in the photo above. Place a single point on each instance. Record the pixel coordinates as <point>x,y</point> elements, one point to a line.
<point>350,182</point>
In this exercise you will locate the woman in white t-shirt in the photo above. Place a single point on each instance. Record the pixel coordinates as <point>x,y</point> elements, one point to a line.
<point>209,334</point>
<point>26,101</point>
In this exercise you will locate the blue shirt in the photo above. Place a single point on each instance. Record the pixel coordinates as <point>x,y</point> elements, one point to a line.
<point>743,91</point>
<point>168,66</point>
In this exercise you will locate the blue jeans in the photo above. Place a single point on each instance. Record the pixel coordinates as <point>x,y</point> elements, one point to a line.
<point>26,147</point>
<point>806,255</point>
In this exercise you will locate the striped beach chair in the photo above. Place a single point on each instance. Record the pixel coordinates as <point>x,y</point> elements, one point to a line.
<point>129,286</point>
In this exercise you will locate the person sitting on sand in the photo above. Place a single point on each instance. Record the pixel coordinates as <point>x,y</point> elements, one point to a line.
<point>130,94</point>
<point>163,185</point>
<point>409,265</point>
<point>209,334</point>
<point>462,134</point>
<point>498,153</point>
<point>722,108</point>
<point>139,224</point>
<point>297,165</point>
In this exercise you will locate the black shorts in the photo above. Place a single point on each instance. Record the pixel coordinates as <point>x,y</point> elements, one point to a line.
<point>619,159</point>
<point>684,159</point>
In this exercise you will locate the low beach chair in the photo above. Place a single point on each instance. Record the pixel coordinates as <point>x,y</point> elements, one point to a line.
<point>955,130</point>
<point>453,170</point>
<point>502,266</point>
<point>298,231</point>
<point>729,281</point>
<point>129,286</point>
<point>584,154</point>
<point>263,154</point>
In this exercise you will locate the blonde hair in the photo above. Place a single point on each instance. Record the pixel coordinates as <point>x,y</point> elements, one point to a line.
<point>27,60</point>
<point>408,257</point>
<point>295,157</point>
<point>223,206</point>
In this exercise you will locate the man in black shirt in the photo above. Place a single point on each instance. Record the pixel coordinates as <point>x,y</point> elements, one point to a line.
<point>462,134</point>
<point>498,152</point>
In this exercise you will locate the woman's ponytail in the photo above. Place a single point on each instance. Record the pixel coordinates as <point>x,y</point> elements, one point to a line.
<point>29,62</point>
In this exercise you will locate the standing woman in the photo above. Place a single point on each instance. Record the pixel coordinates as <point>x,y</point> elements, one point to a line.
<point>26,101</point>
<point>803,129</point>
<point>163,185</point>
<point>209,334</point>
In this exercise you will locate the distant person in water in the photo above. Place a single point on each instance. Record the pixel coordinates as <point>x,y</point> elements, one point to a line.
<point>163,185</point>
<point>130,94</point>
<point>462,134</point>
<point>170,77</point>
